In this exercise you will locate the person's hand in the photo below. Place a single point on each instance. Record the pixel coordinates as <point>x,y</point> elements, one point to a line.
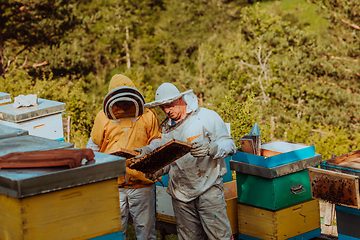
<point>143,151</point>
<point>203,149</point>
<point>154,176</point>
<point>151,177</point>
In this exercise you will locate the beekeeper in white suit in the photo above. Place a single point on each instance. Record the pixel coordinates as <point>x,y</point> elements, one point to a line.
<point>195,180</point>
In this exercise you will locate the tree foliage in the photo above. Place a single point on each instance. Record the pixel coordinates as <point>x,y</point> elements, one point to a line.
<point>28,25</point>
<point>257,63</point>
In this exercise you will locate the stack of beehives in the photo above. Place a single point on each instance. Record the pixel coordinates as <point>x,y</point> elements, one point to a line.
<point>56,202</point>
<point>274,192</point>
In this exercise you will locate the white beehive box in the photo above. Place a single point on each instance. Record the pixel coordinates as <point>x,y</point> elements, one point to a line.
<point>42,120</point>
<point>164,208</point>
<point>4,98</point>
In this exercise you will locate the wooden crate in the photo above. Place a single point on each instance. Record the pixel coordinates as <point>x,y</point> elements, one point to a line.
<point>301,219</point>
<point>82,212</point>
<point>275,193</point>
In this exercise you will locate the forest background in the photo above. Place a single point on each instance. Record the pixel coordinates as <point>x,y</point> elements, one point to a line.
<point>291,66</point>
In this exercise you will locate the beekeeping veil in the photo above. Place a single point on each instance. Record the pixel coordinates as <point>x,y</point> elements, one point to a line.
<point>167,93</point>
<point>123,99</point>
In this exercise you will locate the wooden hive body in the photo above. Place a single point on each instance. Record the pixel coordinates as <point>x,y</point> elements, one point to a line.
<point>301,220</point>
<point>273,194</point>
<point>76,213</point>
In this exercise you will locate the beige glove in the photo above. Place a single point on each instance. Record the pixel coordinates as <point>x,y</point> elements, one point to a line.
<point>203,149</point>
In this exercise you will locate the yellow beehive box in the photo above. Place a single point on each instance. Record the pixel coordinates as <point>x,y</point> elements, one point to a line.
<point>230,193</point>
<point>282,224</point>
<point>81,212</point>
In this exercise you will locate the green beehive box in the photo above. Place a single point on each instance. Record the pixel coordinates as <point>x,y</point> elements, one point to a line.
<point>273,193</point>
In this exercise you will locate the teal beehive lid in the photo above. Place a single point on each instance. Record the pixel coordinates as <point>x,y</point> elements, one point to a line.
<point>285,152</point>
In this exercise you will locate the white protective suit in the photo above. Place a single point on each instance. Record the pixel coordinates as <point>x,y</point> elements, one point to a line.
<point>195,184</point>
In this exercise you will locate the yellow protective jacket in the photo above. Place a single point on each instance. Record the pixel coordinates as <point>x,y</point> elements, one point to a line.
<point>128,133</point>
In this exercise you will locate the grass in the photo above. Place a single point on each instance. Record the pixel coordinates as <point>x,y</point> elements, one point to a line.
<point>302,11</point>
<point>130,234</point>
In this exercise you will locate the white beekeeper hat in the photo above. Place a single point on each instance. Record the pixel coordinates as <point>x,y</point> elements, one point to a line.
<point>166,93</point>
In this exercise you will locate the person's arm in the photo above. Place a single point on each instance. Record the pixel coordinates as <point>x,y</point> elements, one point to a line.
<point>217,142</point>
<point>92,145</point>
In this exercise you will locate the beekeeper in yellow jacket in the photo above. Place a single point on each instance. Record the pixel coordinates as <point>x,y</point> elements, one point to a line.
<point>125,123</point>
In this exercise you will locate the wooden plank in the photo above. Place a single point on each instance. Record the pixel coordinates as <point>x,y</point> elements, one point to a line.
<point>77,213</point>
<point>165,218</point>
<point>268,153</point>
<point>343,159</point>
<point>161,156</point>
<point>334,187</point>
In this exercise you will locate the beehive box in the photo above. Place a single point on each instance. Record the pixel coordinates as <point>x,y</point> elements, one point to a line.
<point>300,221</point>
<point>276,153</point>
<point>274,188</point>
<point>276,193</point>
<point>337,180</point>
<point>59,203</point>
<point>76,213</point>
<point>348,220</point>
<point>43,120</point>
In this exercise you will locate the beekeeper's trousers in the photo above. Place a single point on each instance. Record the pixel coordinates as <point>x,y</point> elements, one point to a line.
<point>140,203</point>
<point>204,216</point>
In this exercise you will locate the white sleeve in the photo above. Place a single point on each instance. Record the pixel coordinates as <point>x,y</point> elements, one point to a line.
<point>92,145</point>
<point>226,143</point>
<point>154,144</point>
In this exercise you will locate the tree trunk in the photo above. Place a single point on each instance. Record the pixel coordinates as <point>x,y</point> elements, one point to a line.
<point>127,51</point>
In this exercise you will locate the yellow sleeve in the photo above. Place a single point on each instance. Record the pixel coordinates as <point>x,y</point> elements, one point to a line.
<point>98,130</point>
<point>155,131</point>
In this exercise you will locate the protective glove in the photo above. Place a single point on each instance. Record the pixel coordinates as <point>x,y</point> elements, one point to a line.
<point>203,149</point>
<point>143,151</point>
<point>153,176</point>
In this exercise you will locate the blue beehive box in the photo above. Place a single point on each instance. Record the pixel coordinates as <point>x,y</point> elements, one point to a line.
<point>276,153</point>
<point>347,222</point>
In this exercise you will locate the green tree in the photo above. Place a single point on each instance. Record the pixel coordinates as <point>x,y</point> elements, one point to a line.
<point>72,94</point>
<point>27,25</point>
